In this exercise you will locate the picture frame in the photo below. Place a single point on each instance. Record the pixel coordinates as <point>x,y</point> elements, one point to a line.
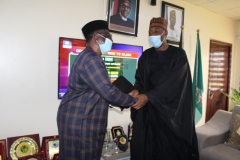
<point>129,11</point>
<point>175,16</point>
<point>117,131</point>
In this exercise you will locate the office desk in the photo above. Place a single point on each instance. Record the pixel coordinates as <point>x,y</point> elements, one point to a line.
<point>119,156</point>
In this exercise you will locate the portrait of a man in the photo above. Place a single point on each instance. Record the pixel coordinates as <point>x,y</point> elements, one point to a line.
<point>122,15</point>
<point>175,17</point>
<point>173,30</point>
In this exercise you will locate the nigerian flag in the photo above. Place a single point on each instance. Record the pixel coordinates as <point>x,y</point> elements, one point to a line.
<point>197,82</point>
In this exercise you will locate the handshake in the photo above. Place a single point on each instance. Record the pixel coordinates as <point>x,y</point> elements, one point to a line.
<point>142,99</point>
<point>126,87</point>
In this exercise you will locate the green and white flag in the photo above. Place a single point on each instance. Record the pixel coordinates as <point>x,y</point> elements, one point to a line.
<point>198,82</point>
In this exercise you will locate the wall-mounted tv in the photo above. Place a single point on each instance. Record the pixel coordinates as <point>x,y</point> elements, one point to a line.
<point>121,60</point>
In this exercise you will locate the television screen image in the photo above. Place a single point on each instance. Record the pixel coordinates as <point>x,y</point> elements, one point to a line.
<point>121,60</point>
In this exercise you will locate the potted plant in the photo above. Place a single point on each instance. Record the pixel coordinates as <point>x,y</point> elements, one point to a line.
<point>235,97</point>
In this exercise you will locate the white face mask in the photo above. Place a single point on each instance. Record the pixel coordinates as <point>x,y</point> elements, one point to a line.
<point>106,46</point>
<point>156,41</point>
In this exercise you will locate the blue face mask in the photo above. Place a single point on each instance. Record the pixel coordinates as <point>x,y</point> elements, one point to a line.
<point>106,46</point>
<point>156,41</point>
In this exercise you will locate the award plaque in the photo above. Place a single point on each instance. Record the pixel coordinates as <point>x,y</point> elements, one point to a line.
<point>22,146</point>
<point>37,156</point>
<point>117,131</point>
<point>3,149</point>
<point>55,157</point>
<point>50,147</point>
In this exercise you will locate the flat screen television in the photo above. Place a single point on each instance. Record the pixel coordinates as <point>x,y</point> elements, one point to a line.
<point>121,60</point>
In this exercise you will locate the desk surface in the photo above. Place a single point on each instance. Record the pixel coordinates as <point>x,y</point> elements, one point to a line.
<point>119,156</point>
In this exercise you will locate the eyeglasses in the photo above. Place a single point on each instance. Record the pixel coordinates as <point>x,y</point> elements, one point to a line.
<point>106,35</point>
<point>124,6</point>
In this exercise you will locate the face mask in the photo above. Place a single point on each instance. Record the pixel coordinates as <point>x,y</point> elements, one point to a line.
<point>106,46</point>
<point>155,41</point>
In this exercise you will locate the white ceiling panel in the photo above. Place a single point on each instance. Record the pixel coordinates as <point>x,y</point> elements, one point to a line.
<point>228,8</point>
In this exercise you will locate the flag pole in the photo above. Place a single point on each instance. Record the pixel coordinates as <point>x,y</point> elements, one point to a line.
<point>181,43</point>
<point>182,27</point>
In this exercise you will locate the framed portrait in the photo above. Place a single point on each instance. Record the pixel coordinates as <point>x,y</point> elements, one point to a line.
<point>175,16</point>
<point>122,16</point>
<point>117,131</point>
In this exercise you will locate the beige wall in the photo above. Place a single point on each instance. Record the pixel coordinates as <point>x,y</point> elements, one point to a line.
<point>29,32</point>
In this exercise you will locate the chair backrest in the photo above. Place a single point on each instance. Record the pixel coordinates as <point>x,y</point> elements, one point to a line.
<point>221,117</point>
<point>236,110</point>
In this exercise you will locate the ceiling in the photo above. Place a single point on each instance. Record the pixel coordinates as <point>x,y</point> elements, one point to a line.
<point>228,8</point>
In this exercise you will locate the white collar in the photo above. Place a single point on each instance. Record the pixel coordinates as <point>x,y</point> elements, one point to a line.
<point>123,18</point>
